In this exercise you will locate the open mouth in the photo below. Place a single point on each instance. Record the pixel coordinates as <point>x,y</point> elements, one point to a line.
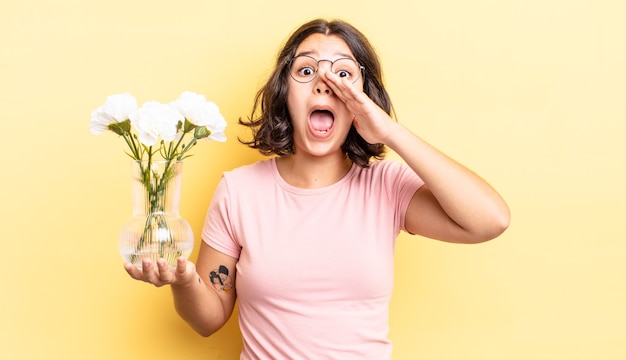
<point>321,122</point>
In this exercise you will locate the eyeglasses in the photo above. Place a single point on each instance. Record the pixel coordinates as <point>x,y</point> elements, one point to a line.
<point>303,68</point>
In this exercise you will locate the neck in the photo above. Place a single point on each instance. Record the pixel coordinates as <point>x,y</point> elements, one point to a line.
<point>313,172</point>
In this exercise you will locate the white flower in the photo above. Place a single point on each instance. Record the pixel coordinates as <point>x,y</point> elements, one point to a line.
<point>164,126</point>
<point>200,112</point>
<point>115,109</point>
<point>154,120</point>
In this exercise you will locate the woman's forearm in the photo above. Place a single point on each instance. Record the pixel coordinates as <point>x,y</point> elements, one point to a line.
<point>200,306</point>
<point>465,197</point>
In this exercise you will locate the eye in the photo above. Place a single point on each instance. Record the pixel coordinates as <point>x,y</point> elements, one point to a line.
<point>346,68</point>
<point>343,73</point>
<point>306,71</point>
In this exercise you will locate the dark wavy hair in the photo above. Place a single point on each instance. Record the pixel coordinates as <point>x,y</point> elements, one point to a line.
<point>270,121</point>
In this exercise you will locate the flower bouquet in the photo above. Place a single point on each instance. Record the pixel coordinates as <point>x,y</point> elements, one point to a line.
<point>159,136</point>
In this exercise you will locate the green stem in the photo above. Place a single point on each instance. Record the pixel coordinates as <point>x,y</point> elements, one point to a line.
<point>155,186</point>
<point>186,148</point>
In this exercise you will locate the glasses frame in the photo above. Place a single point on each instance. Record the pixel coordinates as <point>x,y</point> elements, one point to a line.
<point>332,62</point>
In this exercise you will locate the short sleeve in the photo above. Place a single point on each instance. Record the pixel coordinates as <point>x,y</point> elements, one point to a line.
<point>217,231</point>
<point>403,185</point>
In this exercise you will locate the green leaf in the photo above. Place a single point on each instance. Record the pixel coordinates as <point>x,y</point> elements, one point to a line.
<point>131,155</point>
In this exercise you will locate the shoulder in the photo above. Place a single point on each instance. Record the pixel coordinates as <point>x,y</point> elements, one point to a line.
<point>386,165</point>
<point>248,179</point>
<point>251,172</point>
<point>391,176</point>
<point>384,169</point>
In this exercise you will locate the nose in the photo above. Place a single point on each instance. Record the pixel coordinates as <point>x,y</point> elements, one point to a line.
<point>321,87</point>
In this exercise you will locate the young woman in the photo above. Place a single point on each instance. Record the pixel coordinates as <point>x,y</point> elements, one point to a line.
<point>305,240</point>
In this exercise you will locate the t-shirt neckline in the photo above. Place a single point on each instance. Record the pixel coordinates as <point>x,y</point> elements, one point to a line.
<point>313,191</point>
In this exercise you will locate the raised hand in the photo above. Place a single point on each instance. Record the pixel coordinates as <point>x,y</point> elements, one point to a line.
<point>372,122</point>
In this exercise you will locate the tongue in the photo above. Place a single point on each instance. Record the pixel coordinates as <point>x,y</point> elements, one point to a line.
<point>321,120</point>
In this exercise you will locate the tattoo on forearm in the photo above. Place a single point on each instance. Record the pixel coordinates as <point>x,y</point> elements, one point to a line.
<point>221,279</point>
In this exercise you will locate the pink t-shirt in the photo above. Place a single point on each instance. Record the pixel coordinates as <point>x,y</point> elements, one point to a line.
<point>315,271</point>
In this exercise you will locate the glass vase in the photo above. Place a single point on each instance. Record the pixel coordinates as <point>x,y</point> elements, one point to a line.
<point>156,230</point>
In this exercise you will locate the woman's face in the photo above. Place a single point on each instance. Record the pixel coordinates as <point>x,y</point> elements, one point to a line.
<point>320,119</point>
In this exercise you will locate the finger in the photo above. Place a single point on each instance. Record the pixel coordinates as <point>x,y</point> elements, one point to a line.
<point>165,275</point>
<point>186,272</point>
<point>133,271</point>
<point>181,266</point>
<point>342,87</point>
<point>150,273</point>
<point>355,100</point>
<point>335,83</point>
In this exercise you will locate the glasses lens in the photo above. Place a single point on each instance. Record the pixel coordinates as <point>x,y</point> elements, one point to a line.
<point>346,68</point>
<point>303,68</point>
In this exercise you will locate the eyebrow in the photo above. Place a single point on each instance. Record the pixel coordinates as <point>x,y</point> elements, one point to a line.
<point>341,54</point>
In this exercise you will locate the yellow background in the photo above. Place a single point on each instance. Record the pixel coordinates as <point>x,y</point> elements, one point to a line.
<point>530,94</point>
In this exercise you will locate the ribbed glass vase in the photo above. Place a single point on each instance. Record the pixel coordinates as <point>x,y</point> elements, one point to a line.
<point>156,229</point>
